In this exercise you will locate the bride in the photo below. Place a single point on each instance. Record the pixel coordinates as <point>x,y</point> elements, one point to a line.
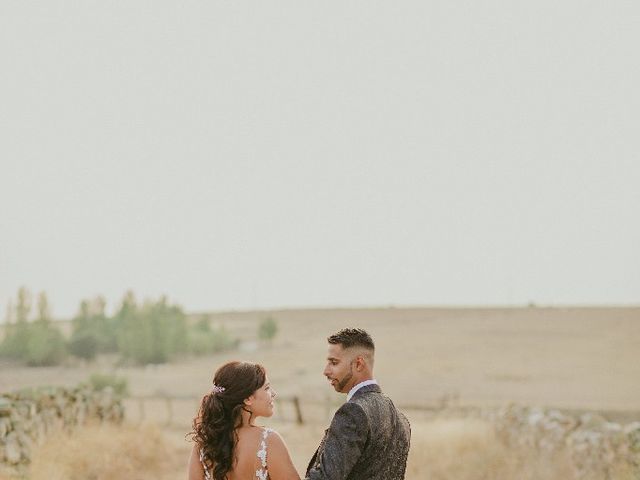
<point>228,443</point>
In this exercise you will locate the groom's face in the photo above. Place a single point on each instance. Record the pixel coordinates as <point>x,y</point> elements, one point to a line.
<point>339,369</point>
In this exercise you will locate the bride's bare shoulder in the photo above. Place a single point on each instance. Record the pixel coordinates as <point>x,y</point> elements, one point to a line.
<point>274,439</point>
<point>279,460</point>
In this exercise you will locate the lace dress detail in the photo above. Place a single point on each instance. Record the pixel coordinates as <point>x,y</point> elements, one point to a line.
<point>261,473</point>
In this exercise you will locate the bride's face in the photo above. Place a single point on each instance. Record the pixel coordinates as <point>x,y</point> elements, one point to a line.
<point>261,402</point>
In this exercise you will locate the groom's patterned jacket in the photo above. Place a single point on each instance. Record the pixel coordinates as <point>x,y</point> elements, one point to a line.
<point>368,440</point>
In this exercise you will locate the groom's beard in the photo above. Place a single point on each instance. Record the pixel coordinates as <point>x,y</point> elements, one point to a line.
<point>347,378</point>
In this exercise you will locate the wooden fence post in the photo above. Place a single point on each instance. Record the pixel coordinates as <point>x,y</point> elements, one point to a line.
<point>296,406</point>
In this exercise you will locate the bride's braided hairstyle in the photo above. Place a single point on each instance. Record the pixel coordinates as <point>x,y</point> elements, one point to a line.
<point>214,428</point>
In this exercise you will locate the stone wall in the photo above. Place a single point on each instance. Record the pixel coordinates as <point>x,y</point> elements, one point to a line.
<point>596,448</point>
<point>27,417</point>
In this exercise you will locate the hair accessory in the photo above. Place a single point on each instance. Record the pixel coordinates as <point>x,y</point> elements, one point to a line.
<point>217,389</point>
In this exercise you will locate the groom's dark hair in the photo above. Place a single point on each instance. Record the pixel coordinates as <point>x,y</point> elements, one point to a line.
<point>352,337</point>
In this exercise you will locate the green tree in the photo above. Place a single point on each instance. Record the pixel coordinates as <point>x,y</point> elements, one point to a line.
<point>211,340</point>
<point>44,312</point>
<point>23,306</point>
<point>268,329</point>
<point>203,324</point>
<point>153,333</point>
<point>9,313</point>
<point>93,332</point>
<point>36,343</point>
<point>104,326</point>
<point>129,328</point>
<point>46,345</point>
<point>14,344</point>
<point>223,340</point>
<point>8,320</point>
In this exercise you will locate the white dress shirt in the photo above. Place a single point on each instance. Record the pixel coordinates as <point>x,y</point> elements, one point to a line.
<point>359,386</point>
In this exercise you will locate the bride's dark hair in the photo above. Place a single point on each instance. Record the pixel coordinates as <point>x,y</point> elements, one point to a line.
<point>220,414</point>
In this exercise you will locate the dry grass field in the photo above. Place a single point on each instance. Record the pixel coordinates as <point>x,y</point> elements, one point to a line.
<point>442,449</point>
<point>571,358</point>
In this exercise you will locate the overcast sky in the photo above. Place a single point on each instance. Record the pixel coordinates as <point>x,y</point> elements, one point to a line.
<point>239,155</point>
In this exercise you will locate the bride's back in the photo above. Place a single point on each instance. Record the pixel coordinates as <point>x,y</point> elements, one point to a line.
<point>246,460</point>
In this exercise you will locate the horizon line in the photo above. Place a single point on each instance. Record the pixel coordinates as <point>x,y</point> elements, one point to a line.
<point>442,306</point>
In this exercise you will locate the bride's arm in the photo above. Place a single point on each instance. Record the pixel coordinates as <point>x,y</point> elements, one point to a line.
<point>196,471</point>
<point>279,461</point>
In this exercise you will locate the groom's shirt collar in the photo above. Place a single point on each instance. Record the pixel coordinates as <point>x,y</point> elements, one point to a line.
<point>359,386</point>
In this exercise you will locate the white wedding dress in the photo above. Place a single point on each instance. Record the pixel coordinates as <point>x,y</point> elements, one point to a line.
<point>261,454</point>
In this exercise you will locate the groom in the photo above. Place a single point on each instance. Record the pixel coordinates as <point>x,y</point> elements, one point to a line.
<point>369,437</point>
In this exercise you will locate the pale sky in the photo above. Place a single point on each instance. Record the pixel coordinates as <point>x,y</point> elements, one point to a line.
<point>240,155</point>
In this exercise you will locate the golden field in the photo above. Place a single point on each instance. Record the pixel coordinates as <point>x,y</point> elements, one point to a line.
<point>569,358</point>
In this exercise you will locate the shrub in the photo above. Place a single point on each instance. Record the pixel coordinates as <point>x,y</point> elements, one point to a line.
<point>46,345</point>
<point>14,344</point>
<point>84,345</point>
<point>202,342</point>
<point>203,324</point>
<point>222,340</point>
<point>267,329</point>
<point>100,381</point>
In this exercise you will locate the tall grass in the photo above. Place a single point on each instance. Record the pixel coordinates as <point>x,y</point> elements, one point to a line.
<point>441,449</point>
<point>468,449</point>
<point>105,453</point>
<point>454,449</point>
